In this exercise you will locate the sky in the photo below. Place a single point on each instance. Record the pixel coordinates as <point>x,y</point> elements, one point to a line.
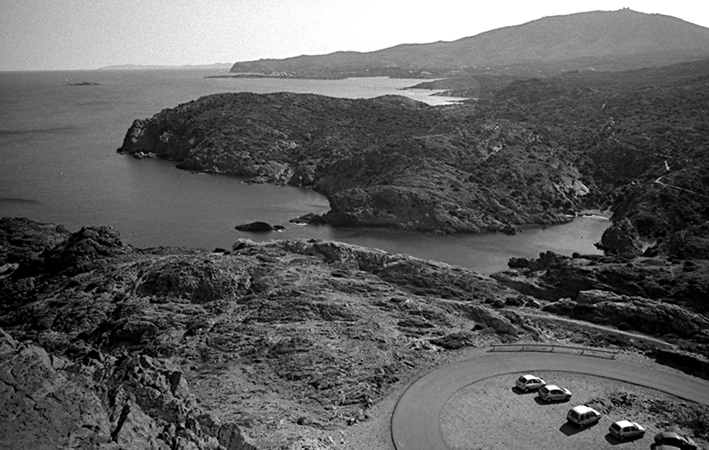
<point>89,34</point>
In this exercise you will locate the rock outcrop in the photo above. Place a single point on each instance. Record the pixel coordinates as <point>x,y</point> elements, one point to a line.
<point>103,403</point>
<point>651,317</point>
<point>179,348</point>
<point>621,238</point>
<point>108,346</point>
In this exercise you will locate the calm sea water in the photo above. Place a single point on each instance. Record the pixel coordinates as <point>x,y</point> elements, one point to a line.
<point>58,164</point>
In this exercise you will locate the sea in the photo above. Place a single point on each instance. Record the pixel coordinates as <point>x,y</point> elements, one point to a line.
<point>59,131</point>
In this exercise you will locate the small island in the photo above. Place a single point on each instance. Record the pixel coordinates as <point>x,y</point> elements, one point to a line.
<point>84,83</point>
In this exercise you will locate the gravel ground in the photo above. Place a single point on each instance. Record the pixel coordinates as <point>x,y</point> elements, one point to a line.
<point>490,414</point>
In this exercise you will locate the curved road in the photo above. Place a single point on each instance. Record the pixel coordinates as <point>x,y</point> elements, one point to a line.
<point>415,424</point>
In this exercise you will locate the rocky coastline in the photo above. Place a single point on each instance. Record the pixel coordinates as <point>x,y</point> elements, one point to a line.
<point>383,162</point>
<point>270,345</point>
<point>529,151</point>
<point>266,344</point>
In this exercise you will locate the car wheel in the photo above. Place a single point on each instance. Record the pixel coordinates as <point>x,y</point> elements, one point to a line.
<point>526,389</point>
<point>548,399</point>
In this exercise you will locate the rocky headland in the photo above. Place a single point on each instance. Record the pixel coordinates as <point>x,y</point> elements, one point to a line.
<point>383,162</point>
<point>530,151</point>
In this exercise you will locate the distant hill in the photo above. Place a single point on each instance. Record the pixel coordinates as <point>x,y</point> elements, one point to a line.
<point>215,66</point>
<point>611,40</point>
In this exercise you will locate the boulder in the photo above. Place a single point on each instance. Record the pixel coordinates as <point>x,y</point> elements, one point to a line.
<point>621,238</point>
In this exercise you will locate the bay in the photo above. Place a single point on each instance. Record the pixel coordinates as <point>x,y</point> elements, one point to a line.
<point>59,132</point>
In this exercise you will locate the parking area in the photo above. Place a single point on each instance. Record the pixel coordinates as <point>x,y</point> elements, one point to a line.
<point>491,414</point>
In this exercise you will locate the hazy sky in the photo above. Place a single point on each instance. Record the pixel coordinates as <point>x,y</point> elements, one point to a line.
<point>87,34</point>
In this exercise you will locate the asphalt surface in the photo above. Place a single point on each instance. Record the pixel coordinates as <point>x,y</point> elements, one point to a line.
<point>415,424</point>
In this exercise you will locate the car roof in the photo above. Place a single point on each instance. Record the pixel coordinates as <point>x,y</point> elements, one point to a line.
<point>528,376</point>
<point>551,386</point>
<point>625,423</point>
<point>582,409</point>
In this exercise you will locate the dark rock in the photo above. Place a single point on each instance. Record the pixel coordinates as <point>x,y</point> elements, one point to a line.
<point>454,341</point>
<point>518,263</point>
<point>22,240</point>
<point>685,362</point>
<point>198,280</point>
<point>531,303</point>
<point>621,239</point>
<point>692,243</point>
<point>82,250</point>
<point>143,155</point>
<point>255,227</point>
<point>515,301</point>
<point>310,218</point>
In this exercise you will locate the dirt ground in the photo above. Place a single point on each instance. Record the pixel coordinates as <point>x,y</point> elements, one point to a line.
<point>491,415</point>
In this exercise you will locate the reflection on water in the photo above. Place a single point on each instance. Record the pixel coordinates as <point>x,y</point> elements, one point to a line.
<point>485,253</point>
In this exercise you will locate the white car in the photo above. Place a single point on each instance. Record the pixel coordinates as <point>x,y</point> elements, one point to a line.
<point>625,429</point>
<point>552,392</point>
<point>583,416</point>
<point>528,383</point>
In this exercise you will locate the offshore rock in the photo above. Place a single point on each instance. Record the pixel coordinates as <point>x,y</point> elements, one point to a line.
<point>621,238</point>
<point>256,227</point>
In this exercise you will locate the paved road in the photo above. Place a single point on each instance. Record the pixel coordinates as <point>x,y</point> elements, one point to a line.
<point>415,424</point>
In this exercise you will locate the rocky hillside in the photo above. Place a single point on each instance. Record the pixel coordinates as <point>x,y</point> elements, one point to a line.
<point>530,150</point>
<point>262,347</point>
<point>609,40</point>
<point>388,162</point>
<point>640,136</point>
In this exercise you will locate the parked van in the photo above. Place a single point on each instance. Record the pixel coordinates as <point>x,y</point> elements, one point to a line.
<point>583,416</point>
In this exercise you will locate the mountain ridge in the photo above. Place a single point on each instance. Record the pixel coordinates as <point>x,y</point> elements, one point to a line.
<point>606,34</point>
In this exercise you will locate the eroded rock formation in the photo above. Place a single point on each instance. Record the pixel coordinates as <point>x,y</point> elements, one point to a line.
<point>109,346</point>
